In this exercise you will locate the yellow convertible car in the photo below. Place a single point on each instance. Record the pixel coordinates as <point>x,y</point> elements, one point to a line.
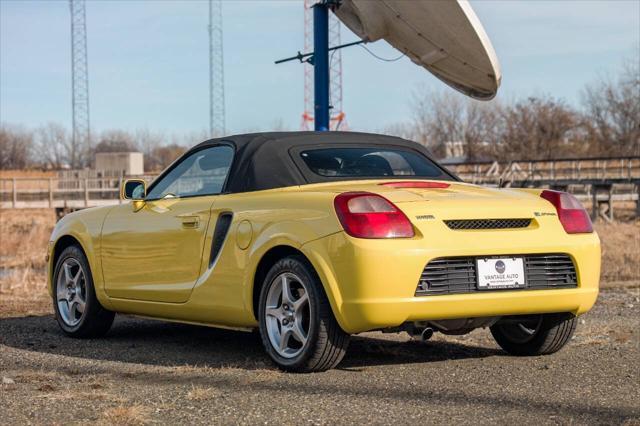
<point>311,237</point>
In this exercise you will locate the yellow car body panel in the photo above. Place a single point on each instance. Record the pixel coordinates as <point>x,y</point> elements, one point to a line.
<point>84,227</point>
<point>155,253</point>
<point>370,284</point>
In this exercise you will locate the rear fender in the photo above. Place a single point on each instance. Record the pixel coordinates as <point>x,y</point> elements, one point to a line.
<point>291,234</point>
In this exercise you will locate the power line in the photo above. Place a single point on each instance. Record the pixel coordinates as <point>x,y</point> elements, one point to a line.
<point>380,58</point>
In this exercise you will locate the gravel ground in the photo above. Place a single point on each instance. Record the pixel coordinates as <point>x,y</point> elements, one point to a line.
<point>152,372</point>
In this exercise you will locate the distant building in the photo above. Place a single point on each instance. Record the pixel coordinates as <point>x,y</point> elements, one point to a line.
<point>109,164</point>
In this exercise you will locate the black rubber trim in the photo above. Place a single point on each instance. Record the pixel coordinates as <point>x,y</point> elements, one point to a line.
<point>219,235</point>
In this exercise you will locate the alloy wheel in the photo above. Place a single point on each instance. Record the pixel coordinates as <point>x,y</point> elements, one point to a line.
<point>288,314</point>
<point>71,292</point>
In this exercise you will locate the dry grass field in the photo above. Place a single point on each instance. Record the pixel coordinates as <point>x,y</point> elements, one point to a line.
<point>23,241</point>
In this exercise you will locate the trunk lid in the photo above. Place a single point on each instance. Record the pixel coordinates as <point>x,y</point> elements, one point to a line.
<point>458,201</point>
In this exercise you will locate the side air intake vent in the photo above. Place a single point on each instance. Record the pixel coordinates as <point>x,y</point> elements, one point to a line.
<point>487,224</point>
<point>219,234</point>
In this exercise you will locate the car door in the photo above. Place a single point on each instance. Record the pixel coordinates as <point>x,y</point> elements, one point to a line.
<point>155,252</point>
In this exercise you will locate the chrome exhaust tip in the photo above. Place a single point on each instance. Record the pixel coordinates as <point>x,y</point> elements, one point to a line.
<point>426,334</point>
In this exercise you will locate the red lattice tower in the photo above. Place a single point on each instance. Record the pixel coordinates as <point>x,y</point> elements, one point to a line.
<point>338,121</point>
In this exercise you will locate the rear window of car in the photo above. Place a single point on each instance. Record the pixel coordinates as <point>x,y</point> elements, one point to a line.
<point>371,162</point>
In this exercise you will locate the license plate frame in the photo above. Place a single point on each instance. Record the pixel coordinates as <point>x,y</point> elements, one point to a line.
<point>500,273</point>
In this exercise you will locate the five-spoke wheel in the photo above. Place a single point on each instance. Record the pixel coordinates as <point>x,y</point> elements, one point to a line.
<point>71,292</point>
<point>297,325</point>
<point>77,309</point>
<point>288,315</point>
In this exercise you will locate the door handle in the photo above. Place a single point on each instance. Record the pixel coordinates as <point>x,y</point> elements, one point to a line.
<point>189,221</point>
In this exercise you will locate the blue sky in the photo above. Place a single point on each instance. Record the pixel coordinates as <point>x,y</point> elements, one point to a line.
<point>148,63</point>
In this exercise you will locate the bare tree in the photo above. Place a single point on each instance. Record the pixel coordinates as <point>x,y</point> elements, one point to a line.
<point>77,153</point>
<point>115,141</point>
<point>613,112</point>
<point>52,145</point>
<point>147,142</point>
<point>443,119</point>
<point>437,119</point>
<point>190,139</point>
<point>405,130</point>
<point>537,128</point>
<point>162,156</point>
<point>16,146</point>
<point>480,128</point>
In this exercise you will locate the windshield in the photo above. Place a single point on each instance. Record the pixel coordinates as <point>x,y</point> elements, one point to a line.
<point>371,162</point>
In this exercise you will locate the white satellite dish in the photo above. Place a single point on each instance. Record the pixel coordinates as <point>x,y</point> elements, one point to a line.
<point>443,36</point>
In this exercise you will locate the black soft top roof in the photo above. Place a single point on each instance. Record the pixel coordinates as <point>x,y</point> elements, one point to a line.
<point>270,160</point>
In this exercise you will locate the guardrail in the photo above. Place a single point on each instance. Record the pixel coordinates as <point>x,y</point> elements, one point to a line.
<point>570,171</point>
<point>59,193</point>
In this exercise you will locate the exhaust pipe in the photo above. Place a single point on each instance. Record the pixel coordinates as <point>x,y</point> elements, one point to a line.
<point>426,334</point>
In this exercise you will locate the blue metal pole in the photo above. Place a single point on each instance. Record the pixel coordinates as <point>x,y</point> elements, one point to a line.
<point>321,66</point>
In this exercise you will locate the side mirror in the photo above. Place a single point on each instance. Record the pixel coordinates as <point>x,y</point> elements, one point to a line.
<point>133,189</point>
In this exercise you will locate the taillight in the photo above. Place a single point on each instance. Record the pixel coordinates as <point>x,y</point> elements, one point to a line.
<point>416,184</point>
<point>367,215</point>
<point>572,215</point>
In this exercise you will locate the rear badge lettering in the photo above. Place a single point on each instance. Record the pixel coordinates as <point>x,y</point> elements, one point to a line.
<point>425,217</point>
<point>544,214</point>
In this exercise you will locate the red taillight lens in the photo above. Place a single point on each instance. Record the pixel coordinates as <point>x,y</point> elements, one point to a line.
<point>366,215</point>
<point>413,184</point>
<point>572,215</point>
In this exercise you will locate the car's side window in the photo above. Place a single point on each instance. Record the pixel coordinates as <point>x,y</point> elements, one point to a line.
<point>201,173</point>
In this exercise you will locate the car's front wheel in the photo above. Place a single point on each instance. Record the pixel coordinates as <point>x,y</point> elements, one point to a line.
<point>297,326</point>
<point>534,335</point>
<point>76,307</point>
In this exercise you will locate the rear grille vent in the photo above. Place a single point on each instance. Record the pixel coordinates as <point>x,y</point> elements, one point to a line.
<point>487,223</point>
<point>550,271</point>
<point>458,274</point>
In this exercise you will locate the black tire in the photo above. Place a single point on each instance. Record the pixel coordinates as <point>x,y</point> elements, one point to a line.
<point>547,334</point>
<point>95,321</point>
<point>326,343</point>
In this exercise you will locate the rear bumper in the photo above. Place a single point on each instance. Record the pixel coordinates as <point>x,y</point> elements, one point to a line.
<point>370,314</point>
<point>371,284</point>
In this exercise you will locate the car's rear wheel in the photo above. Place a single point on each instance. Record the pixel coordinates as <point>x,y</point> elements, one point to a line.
<point>534,335</point>
<point>297,326</point>
<point>77,309</point>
